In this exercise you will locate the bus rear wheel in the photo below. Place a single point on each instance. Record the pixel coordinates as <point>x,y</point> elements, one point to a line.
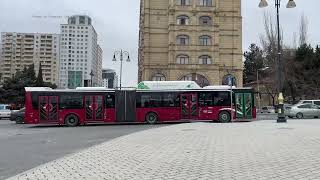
<point>151,118</point>
<point>224,117</point>
<point>71,120</point>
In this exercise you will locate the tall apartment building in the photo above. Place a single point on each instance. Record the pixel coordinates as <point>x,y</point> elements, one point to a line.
<point>80,55</point>
<point>109,78</point>
<point>199,40</point>
<point>23,49</point>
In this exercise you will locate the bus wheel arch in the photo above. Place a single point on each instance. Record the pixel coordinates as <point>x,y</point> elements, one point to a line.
<point>72,120</point>
<point>224,116</point>
<point>152,117</point>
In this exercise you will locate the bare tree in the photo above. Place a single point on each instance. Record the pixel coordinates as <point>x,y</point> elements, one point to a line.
<point>303,34</point>
<point>269,40</point>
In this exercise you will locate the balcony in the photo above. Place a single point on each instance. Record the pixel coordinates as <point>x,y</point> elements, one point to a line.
<point>28,43</point>
<point>28,37</point>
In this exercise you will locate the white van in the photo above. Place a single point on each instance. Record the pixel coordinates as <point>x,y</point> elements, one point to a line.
<point>5,111</point>
<point>314,102</point>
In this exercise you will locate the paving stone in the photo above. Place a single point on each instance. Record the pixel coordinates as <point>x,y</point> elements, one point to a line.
<point>255,150</point>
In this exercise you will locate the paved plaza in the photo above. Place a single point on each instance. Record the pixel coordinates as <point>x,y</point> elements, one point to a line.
<point>23,147</point>
<point>255,150</point>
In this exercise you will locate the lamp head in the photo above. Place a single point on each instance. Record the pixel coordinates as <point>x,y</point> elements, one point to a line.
<point>128,60</point>
<point>263,3</point>
<point>291,4</point>
<point>114,58</point>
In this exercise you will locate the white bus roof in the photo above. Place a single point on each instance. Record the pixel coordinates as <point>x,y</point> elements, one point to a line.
<point>167,85</point>
<point>92,88</point>
<point>219,87</point>
<point>28,89</point>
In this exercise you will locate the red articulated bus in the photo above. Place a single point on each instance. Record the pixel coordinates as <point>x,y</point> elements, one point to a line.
<point>99,105</point>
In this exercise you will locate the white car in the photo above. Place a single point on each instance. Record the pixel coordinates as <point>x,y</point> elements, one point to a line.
<point>5,111</point>
<point>267,109</point>
<point>303,111</point>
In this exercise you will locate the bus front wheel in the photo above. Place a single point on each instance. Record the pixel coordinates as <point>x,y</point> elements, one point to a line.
<point>71,120</point>
<point>151,118</point>
<point>224,117</point>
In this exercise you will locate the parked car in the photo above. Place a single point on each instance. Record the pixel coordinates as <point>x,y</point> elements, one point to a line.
<point>303,111</point>
<point>267,109</point>
<point>315,102</point>
<point>5,111</point>
<point>18,116</point>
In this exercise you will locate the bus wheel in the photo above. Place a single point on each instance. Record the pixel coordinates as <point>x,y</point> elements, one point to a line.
<point>71,120</point>
<point>224,117</point>
<point>19,120</point>
<point>151,118</point>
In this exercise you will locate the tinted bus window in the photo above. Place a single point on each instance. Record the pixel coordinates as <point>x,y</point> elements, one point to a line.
<point>150,100</point>
<point>206,99</point>
<point>154,100</point>
<point>34,99</point>
<point>110,101</point>
<point>71,102</point>
<point>170,100</point>
<point>222,99</point>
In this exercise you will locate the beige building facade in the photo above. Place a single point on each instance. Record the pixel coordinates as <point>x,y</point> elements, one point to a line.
<point>199,40</point>
<point>23,49</point>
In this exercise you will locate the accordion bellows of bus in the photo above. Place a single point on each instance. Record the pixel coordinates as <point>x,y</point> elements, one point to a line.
<point>150,102</point>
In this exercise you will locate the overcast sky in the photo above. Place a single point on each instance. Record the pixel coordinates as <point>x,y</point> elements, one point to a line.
<point>117,23</point>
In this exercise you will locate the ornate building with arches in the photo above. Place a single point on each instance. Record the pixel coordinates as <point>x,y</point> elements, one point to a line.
<point>199,40</point>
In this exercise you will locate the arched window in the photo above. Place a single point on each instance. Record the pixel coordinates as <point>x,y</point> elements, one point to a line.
<point>229,79</point>
<point>205,40</point>
<point>183,20</point>
<point>198,78</point>
<point>158,77</point>
<point>205,21</point>
<point>187,78</point>
<point>183,2</point>
<point>182,40</point>
<point>182,59</point>
<point>205,2</point>
<point>205,60</point>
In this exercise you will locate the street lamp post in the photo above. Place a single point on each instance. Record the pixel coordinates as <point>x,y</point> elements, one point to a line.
<point>121,54</point>
<point>258,84</point>
<point>291,4</point>
<point>91,75</point>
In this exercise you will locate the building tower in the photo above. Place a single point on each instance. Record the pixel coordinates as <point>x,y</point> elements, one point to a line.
<point>23,49</point>
<point>199,40</point>
<point>80,55</point>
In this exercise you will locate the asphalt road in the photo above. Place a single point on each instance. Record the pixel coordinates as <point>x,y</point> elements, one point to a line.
<point>23,147</point>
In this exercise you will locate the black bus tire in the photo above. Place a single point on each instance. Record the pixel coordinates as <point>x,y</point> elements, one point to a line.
<point>19,120</point>
<point>151,118</point>
<point>71,120</point>
<point>224,117</point>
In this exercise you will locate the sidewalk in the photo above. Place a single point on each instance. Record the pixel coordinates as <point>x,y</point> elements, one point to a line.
<point>256,150</point>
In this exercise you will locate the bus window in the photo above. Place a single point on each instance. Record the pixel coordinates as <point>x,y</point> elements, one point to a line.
<point>110,101</point>
<point>205,99</point>
<point>168,100</point>
<point>71,102</point>
<point>34,99</point>
<point>222,98</point>
<point>155,100</point>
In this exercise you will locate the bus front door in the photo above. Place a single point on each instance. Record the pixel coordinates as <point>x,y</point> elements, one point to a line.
<point>94,108</point>
<point>48,109</point>
<point>189,106</point>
